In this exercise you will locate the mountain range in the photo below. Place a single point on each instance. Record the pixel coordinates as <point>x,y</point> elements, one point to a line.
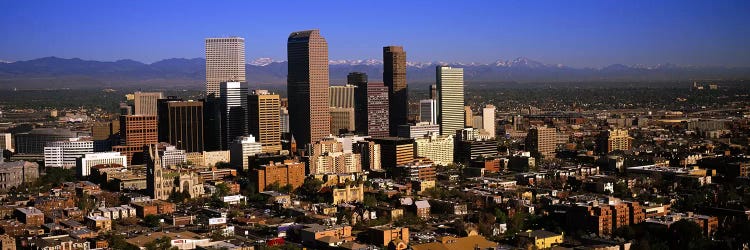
<point>54,72</point>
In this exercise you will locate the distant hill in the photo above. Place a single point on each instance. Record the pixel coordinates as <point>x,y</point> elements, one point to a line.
<point>53,72</point>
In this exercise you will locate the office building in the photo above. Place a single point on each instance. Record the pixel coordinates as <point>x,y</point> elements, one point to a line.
<point>264,119</point>
<point>6,142</point>
<point>284,117</point>
<point>394,151</point>
<point>104,130</point>
<point>212,124</point>
<point>181,124</point>
<point>450,91</point>
<point>289,172</point>
<point>341,96</point>
<point>428,111</point>
<point>84,164</point>
<point>136,131</point>
<point>171,156</point>
<point>418,130</point>
<point>242,148</point>
<point>468,117</point>
<point>466,151</point>
<point>542,141</point>
<point>34,141</point>
<point>233,96</point>
<point>611,140</point>
<point>377,110</point>
<point>342,120</point>
<point>394,77</point>
<point>433,92</point>
<point>438,148</point>
<point>145,102</point>
<point>328,156</point>
<point>307,86</point>
<point>225,62</point>
<point>369,154</point>
<point>15,174</point>
<point>63,154</point>
<point>488,120</point>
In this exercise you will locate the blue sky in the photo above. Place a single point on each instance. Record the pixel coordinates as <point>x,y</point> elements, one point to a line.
<point>577,33</point>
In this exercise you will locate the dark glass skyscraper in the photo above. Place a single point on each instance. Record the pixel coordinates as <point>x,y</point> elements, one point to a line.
<point>307,86</point>
<point>394,77</point>
<point>233,111</point>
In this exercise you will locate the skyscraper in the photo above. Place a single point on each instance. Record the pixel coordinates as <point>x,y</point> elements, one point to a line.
<point>181,124</point>
<point>145,102</point>
<point>225,62</point>
<point>433,92</point>
<point>377,110</point>
<point>233,96</point>
<point>468,116</point>
<point>136,131</point>
<point>428,111</point>
<point>264,119</point>
<point>359,80</point>
<point>450,93</point>
<point>488,120</point>
<point>307,86</point>
<point>241,148</point>
<point>394,77</point>
<point>541,140</point>
<point>342,96</point>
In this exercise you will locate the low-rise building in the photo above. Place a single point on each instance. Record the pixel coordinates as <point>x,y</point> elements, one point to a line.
<point>539,239</point>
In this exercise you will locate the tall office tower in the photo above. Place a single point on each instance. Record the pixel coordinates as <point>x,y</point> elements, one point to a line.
<point>428,111</point>
<point>468,117</point>
<point>307,86</point>
<point>369,153</point>
<point>162,109</point>
<point>359,80</point>
<point>264,119</point>
<point>394,151</point>
<point>377,110</point>
<point>145,102</point>
<point>233,96</point>
<point>342,96</point>
<point>450,91</point>
<point>433,92</point>
<point>243,147</point>
<point>225,62</point>
<point>284,117</point>
<point>394,77</point>
<point>6,142</point>
<point>136,131</point>
<point>342,120</point>
<point>181,124</point>
<point>611,140</point>
<point>488,120</point>
<point>542,140</point>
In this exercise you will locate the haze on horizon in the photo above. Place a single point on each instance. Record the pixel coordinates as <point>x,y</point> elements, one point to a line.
<point>578,34</point>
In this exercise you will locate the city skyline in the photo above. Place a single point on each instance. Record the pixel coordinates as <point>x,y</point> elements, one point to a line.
<point>591,34</point>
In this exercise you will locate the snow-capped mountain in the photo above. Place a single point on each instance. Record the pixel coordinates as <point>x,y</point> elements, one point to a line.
<point>263,61</point>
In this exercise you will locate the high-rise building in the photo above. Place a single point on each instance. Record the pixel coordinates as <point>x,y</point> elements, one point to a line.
<point>394,77</point>
<point>394,151</point>
<point>264,119</point>
<point>542,140</point>
<point>136,131</point>
<point>468,117</point>
<point>6,142</point>
<point>63,154</point>
<point>307,86</point>
<point>611,140</point>
<point>438,148</point>
<point>341,96</point>
<point>181,124</point>
<point>284,117</point>
<point>84,163</point>
<point>369,153</point>
<point>145,102</point>
<point>104,130</point>
<point>433,92</point>
<point>371,106</point>
<point>342,120</point>
<point>225,62</point>
<point>233,96</point>
<point>488,120</point>
<point>428,110</point>
<point>241,148</point>
<point>328,156</point>
<point>418,130</point>
<point>450,91</point>
<point>289,172</point>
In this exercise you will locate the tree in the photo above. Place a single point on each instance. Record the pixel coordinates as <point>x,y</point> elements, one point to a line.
<point>163,243</point>
<point>151,220</point>
<point>687,235</point>
<point>117,241</point>
<point>222,189</point>
<point>310,189</point>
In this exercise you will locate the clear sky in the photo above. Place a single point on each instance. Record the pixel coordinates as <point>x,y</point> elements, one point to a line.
<point>577,33</point>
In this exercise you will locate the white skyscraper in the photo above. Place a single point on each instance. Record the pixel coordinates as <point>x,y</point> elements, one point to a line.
<point>450,93</point>
<point>488,120</point>
<point>225,61</point>
<point>233,96</point>
<point>428,111</point>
